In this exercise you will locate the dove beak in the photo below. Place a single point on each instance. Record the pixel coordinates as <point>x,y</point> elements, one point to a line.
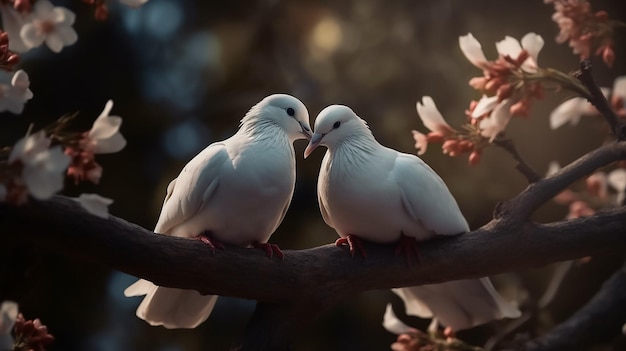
<point>313,143</point>
<point>306,131</point>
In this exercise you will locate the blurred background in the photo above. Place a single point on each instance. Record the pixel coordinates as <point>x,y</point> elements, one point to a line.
<point>182,73</point>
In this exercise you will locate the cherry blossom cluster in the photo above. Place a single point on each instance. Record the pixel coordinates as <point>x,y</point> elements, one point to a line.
<point>37,164</point>
<point>411,339</point>
<point>19,334</point>
<point>454,143</point>
<point>585,30</point>
<point>602,190</point>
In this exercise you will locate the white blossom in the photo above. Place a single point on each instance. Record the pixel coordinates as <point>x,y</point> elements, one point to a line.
<point>485,105</point>
<point>392,324</point>
<point>497,121</point>
<point>14,91</point>
<point>431,117</point>
<point>95,204</point>
<point>133,3</point>
<point>50,24</point>
<point>8,315</point>
<point>12,23</point>
<point>553,167</point>
<point>617,180</point>
<point>572,110</point>
<point>43,167</point>
<point>104,135</point>
<point>531,42</point>
<point>472,50</point>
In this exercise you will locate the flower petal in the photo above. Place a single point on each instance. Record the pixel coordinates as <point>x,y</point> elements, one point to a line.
<point>619,88</point>
<point>553,167</point>
<point>29,146</point>
<point>95,204</point>
<point>431,117</point>
<point>54,42</point>
<point>392,324</point>
<point>43,8</point>
<point>110,145</point>
<point>44,175</point>
<point>472,50</point>
<point>484,105</point>
<point>509,47</point>
<point>421,142</point>
<point>497,121</point>
<point>12,23</point>
<point>617,179</point>
<point>31,36</point>
<point>569,111</point>
<point>67,35</point>
<point>105,127</point>
<point>532,43</point>
<point>20,80</point>
<point>8,315</point>
<point>107,109</point>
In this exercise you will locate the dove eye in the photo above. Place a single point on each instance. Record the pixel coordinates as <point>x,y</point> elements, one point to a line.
<point>336,125</point>
<point>291,112</point>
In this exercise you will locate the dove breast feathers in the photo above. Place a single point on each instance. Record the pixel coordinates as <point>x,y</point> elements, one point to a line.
<point>384,194</point>
<point>238,189</point>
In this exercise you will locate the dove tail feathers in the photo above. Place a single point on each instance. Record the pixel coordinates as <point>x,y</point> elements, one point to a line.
<point>460,304</point>
<point>507,309</point>
<point>169,307</point>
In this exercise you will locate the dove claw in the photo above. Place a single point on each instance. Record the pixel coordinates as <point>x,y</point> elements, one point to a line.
<point>212,243</point>
<point>270,249</point>
<point>354,243</point>
<point>408,246</point>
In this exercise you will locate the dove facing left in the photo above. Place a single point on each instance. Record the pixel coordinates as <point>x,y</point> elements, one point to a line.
<point>372,192</point>
<point>235,191</point>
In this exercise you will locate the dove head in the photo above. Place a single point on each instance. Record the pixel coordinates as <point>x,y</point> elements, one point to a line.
<point>336,124</point>
<point>283,110</point>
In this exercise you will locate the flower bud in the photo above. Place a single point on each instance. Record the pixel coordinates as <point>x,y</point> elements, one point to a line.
<point>608,56</point>
<point>474,158</point>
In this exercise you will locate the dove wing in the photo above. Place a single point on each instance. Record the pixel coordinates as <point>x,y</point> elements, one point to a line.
<point>194,187</point>
<point>426,197</point>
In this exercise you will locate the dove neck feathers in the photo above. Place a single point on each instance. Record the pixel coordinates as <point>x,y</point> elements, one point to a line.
<point>257,127</point>
<point>352,153</point>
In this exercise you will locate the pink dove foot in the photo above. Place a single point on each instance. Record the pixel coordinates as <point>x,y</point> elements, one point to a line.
<point>354,243</point>
<point>270,249</point>
<point>407,246</point>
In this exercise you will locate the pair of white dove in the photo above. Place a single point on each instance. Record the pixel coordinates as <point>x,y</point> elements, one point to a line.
<point>238,191</point>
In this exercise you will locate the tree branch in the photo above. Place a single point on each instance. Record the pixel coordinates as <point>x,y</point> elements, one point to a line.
<point>323,276</point>
<point>522,166</point>
<point>601,319</point>
<point>524,204</point>
<point>599,101</point>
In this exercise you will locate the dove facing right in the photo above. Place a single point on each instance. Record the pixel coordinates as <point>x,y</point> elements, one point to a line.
<point>235,191</point>
<point>369,191</point>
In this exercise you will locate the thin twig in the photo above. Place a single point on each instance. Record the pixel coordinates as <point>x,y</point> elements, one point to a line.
<point>599,101</point>
<point>522,166</point>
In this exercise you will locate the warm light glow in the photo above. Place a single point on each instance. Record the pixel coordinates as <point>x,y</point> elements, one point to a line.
<point>325,38</point>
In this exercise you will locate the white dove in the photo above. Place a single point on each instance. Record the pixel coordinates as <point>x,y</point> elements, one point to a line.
<point>366,190</point>
<point>235,191</point>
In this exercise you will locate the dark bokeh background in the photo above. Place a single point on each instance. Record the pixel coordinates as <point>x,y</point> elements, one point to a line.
<point>182,73</point>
